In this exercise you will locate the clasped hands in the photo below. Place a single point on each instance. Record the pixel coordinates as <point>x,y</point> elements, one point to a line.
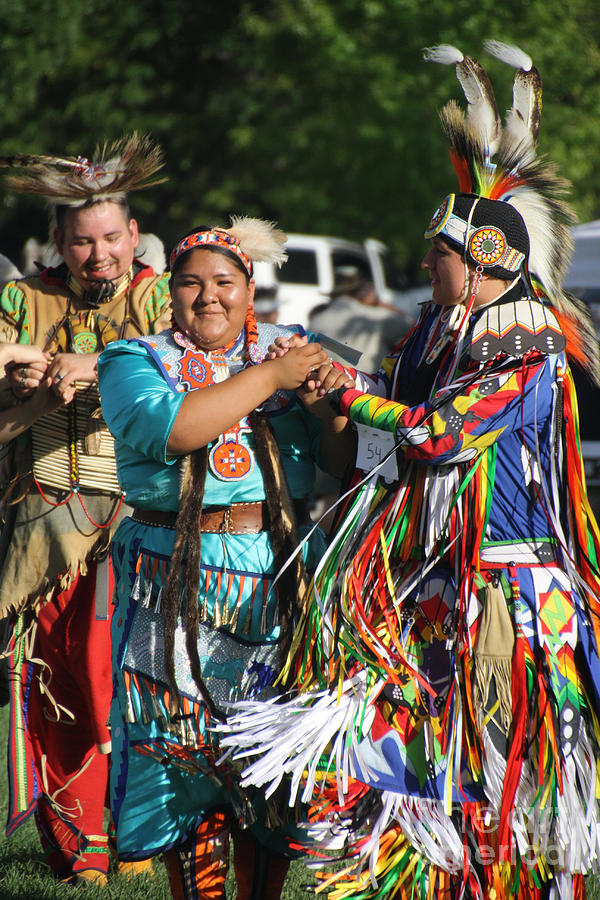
<point>57,374</point>
<point>319,381</point>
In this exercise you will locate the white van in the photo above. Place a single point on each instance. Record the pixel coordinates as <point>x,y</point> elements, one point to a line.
<point>583,280</point>
<point>583,277</point>
<point>306,279</point>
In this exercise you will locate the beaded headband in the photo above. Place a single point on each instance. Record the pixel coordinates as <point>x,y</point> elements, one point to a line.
<point>216,236</point>
<point>252,240</point>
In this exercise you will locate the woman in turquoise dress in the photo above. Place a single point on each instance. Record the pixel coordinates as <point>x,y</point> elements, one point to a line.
<point>216,454</point>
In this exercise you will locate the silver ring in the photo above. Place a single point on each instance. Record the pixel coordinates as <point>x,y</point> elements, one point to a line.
<point>23,378</point>
<point>58,377</point>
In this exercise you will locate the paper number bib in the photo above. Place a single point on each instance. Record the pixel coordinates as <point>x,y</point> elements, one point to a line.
<point>373,445</point>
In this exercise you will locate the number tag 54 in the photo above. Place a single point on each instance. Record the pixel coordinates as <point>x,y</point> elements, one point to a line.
<point>373,445</point>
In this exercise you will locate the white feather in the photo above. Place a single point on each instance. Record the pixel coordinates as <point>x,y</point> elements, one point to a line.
<point>290,737</point>
<point>509,54</point>
<point>540,226</point>
<point>445,54</point>
<point>262,241</point>
<point>517,135</point>
<point>482,113</point>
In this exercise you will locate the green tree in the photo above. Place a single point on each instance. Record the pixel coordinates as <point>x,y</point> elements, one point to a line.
<point>318,113</point>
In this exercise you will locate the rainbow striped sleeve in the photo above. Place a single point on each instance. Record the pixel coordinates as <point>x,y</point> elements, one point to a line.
<point>461,422</point>
<point>376,412</point>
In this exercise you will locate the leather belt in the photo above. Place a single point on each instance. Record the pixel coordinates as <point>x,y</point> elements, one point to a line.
<point>238,518</point>
<point>164,519</point>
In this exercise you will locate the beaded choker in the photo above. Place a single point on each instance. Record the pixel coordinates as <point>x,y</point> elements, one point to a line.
<point>105,290</point>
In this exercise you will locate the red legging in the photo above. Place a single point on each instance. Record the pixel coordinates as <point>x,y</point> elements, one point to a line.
<point>198,871</point>
<point>76,648</point>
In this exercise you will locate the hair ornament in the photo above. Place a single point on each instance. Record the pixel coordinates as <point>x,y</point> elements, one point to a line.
<point>116,168</point>
<point>262,241</point>
<point>252,240</point>
<point>497,161</point>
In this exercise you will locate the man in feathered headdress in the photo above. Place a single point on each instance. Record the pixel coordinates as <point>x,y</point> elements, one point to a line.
<point>453,625</point>
<point>61,496</point>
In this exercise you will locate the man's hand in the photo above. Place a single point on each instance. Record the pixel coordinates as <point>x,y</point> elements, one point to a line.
<point>67,368</point>
<point>295,365</point>
<point>281,345</point>
<point>25,377</point>
<point>313,392</point>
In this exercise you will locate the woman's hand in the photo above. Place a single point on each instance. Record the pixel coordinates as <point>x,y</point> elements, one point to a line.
<point>295,365</point>
<point>18,354</point>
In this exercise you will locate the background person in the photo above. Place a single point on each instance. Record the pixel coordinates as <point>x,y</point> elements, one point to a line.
<point>355,317</point>
<point>150,251</point>
<point>266,293</point>
<point>460,595</point>
<point>61,498</point>
<point>216,454</point>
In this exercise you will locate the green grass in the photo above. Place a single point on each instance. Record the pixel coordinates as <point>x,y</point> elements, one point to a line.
<point>24,875</point>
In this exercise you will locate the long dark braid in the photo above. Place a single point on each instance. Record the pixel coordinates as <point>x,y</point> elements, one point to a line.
<point>282,526</point>
<point>187,552</point>
<point>185,566</point>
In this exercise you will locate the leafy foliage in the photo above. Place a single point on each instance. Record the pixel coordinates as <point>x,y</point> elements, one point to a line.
<point>319,114</point>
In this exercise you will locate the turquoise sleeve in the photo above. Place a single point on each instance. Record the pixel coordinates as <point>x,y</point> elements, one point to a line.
<point>138,405</point>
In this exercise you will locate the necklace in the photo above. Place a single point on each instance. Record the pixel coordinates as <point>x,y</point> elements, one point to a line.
<point>228,459</point>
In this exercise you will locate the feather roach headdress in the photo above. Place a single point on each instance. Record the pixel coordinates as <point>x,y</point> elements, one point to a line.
<point>116,169</point>
<point>251,240</point>
<point>510,216</point>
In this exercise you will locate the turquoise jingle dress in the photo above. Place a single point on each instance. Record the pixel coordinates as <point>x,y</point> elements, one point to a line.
<point>163,778</point>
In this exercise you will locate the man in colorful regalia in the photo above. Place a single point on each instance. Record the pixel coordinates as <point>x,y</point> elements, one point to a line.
<point>61,497</point>
<point>447,669</point>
